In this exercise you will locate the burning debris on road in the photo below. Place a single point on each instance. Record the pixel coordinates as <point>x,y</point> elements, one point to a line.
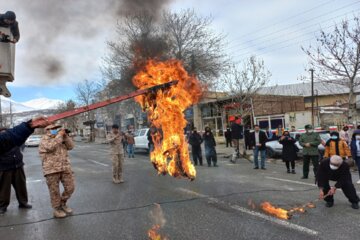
<point>166,113</point>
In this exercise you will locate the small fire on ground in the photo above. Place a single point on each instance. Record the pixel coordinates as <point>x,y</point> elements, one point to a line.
<point>281,213</point>
<point>166,113</point>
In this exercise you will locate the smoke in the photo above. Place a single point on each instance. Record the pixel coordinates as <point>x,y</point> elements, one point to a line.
<point>51,28</point>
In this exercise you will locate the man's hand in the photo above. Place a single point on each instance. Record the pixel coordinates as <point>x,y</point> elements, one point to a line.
<point>332,191</point>
<point>39,122</point>
<point>321,194</point>
<point>259,144</point>
<point>282,138</point>
<point>62,133</point>
<point>307,145</point>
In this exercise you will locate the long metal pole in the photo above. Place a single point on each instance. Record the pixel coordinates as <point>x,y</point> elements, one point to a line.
<point>312,96</point>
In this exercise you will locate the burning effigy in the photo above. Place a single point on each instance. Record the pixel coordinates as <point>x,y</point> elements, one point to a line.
<point>166,113</point>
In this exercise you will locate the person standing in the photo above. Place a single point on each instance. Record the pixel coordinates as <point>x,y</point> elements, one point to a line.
<point>310,142</point>
<point>228,137</point>
<point>12,173</point>
<point>117,153</point>
<point>247,138</point>
<point>289,151</point>
<point>195,141</point>
<point>53,149</point>
<point>335,169</point>
<point>269,134</point>
<point>210,151</point>
<point>344,134</point>
<point>236,135</point>
<point>293,129</point>
<point>355,149</point>
<point>279,131</point>
<point>336,146</point>
<point>130,139</point>
<point>258,140</point>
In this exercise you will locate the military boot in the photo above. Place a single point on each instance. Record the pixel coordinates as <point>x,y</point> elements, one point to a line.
<point>66,209</point>
<point>59,213</point>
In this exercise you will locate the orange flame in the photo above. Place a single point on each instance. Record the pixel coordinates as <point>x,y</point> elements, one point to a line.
<point>154,235</point>
<point>165,112</point>
<point>277,212</point>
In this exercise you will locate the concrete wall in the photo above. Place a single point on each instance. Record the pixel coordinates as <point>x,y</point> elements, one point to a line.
<point>298,119</point>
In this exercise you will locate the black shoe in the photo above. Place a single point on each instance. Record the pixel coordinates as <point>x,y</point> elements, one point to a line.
<point>329,204</point>
<point>215,165</point>
<point>256,167</point>
<point>303,177</point>
<point>288,171</point>
<point>26,206</point>
<point>355,205</point>
<point>2,210</point>
<point>209,165</point>
<point>293,171</point>
<point>263,168</point>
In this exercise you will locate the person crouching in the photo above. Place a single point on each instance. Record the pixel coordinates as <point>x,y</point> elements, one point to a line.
<point>53,149</point>
<point>335,169</point>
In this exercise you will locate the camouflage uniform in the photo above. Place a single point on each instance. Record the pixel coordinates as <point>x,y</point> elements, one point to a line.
<point>117,154</point>
<point>56,167</point>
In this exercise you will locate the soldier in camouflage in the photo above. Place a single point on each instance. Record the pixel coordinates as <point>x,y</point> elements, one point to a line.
<point>53,149</point>
<point>117,153</point>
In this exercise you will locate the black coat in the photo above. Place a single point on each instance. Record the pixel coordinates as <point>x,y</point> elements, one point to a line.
<point>11,160</point>
<point>262,140</point>
<point>236,131</point>
<point>15,136</point>
<point>289,149</point>
<point>195,139</point>
<point>209,140</point>
<point>14,28</point>
<point>228,134</point>
<point>341,175</point>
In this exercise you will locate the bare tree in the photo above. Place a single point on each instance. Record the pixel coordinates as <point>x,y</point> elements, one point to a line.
<point>243,83</point>
<point>71,122</point>
<point>336,58</point>
<point>192,41</point>
<point>86,93</point>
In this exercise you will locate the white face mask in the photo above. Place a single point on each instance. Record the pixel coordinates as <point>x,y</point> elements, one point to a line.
<point>334,167</point>
<point>357,137</point>
<point>310,131</point>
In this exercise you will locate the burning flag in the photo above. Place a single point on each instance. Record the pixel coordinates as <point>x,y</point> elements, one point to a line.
<point>166,113</point>
<point>277,212</point>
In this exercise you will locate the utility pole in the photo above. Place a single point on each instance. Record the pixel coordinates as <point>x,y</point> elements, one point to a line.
<point>312,96</point>
<point>1,121</point>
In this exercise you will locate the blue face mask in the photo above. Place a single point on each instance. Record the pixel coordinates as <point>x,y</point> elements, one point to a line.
<point>54,131</point>
<point>334,137</point>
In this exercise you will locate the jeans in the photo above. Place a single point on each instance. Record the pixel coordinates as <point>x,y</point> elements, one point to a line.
<point>130,150</point>
<point>211,155</point>
<point>256,157</point>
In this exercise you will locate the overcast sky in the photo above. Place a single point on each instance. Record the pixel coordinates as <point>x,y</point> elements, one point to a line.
<point>61,45</point>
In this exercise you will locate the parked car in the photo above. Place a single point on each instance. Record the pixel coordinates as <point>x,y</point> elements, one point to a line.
<point>141,140</point>
<point>274,148</point>
<point>33,141</point>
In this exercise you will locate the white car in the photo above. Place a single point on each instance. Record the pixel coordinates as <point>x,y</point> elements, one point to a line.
<point>141,139</point>
<point>33,141</point>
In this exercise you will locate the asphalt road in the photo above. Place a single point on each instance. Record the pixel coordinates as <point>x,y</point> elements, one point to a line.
<point>214,206</point>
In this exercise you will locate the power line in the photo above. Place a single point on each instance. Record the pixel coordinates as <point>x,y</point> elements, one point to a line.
<point>291,17</point>
<point>300,30</point>
<point>286,28</point>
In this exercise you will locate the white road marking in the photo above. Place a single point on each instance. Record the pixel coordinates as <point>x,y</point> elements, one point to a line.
<point>280,222</point>
<point>96,162</point>
<point>291,181</point>
<point>35,181</point>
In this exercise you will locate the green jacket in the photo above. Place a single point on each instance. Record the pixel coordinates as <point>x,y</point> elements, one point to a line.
<point>314,140</point>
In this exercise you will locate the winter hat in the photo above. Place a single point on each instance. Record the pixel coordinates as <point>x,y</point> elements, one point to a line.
<point>10,15</point>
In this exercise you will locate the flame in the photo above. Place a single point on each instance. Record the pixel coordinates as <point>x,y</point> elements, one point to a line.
<point>154,235</point>
<point>165,112</point>
<point>277,212</point>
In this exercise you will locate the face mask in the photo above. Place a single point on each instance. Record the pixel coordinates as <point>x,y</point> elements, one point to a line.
<point>334,137</point>
<point>310,131</point>
<point>53,131</point>
<point>334,167</point>
<point>357,137</point>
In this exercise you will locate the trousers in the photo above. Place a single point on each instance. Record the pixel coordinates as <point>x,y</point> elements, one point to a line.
<point>53,181</point>
<point>117,166</point>
<point>17,179</point>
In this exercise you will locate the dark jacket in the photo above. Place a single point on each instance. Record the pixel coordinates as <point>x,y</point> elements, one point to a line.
<point>236,131</point>
<point>209,140</point>
<point>14,28</point>
<point>262,140</point>
<point>341,175</point>
<point>353,148</point>
<point>14,137</point>
<point>228,134</point>
<point>11,160</point>
<point>289,149</point>
<point>195,139</point>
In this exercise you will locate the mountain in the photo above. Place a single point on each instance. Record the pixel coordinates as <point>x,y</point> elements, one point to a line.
<point>43,103</point>
<point>15,106</point>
